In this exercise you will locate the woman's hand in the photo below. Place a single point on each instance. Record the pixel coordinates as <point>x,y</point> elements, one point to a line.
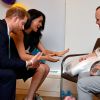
<point>61,53</point>
<point>49,58</point>
<point>52,53</point>
<point>34,62</point>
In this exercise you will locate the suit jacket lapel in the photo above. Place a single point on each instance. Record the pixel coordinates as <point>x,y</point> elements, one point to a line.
<point>4,31</point>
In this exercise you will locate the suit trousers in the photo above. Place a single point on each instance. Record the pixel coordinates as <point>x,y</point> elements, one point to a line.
<point>7,84</point>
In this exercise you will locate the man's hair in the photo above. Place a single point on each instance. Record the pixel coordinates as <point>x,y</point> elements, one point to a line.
<point>98,8</point>
<point>17,11</point>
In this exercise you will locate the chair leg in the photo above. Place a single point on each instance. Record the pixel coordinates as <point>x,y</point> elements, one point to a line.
<point>61,88</point>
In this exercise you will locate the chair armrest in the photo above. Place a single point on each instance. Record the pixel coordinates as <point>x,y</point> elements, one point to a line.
<point>66,57</point>
<point>70,78</point>
<point>65,75</point>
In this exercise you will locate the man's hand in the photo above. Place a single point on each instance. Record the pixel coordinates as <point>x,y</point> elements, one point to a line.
<point>34,62</point>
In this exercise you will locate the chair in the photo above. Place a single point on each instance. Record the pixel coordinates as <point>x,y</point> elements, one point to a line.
<point>64,75</point>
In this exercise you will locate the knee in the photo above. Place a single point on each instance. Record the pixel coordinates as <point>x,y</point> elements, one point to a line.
<point>47,68</point>
<point>44,68</point>
<point>81,84</point>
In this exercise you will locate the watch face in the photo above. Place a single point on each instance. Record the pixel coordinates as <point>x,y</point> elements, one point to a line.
<point>10,2</point>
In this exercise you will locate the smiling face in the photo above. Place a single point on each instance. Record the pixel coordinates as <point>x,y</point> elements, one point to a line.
<point>36,23</point>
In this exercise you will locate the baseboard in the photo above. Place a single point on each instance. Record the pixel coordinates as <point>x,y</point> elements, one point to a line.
<point>49,93</point>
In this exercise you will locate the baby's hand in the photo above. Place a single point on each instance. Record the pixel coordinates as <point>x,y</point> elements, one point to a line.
<point>94,70</point>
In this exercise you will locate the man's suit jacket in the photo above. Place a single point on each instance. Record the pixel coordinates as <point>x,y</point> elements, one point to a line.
<point>5,63</point>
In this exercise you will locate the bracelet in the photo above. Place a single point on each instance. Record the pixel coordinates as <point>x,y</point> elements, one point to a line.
<point>28,64</point>
<point>31,62</point>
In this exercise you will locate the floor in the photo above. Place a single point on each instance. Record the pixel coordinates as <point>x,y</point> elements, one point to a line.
<point>21,97</point>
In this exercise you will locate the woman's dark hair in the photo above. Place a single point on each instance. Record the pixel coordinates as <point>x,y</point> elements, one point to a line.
<point>98,8</point>
<point>33,15</point>
<point>33,38</point>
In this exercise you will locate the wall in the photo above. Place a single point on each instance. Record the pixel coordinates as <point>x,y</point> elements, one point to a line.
<point>81,29</point>
<point>53,35</point>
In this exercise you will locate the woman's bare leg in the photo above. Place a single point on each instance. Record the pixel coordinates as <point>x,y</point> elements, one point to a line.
<point>37,80</point>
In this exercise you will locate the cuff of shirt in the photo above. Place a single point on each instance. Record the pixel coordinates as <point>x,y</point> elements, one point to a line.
<point>28,64</point>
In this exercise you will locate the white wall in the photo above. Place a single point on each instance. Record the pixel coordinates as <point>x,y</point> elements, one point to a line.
<point>81,29</point>
<point>53,35</point>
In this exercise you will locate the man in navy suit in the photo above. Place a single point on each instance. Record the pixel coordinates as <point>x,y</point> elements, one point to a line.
<point>11,66</point>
